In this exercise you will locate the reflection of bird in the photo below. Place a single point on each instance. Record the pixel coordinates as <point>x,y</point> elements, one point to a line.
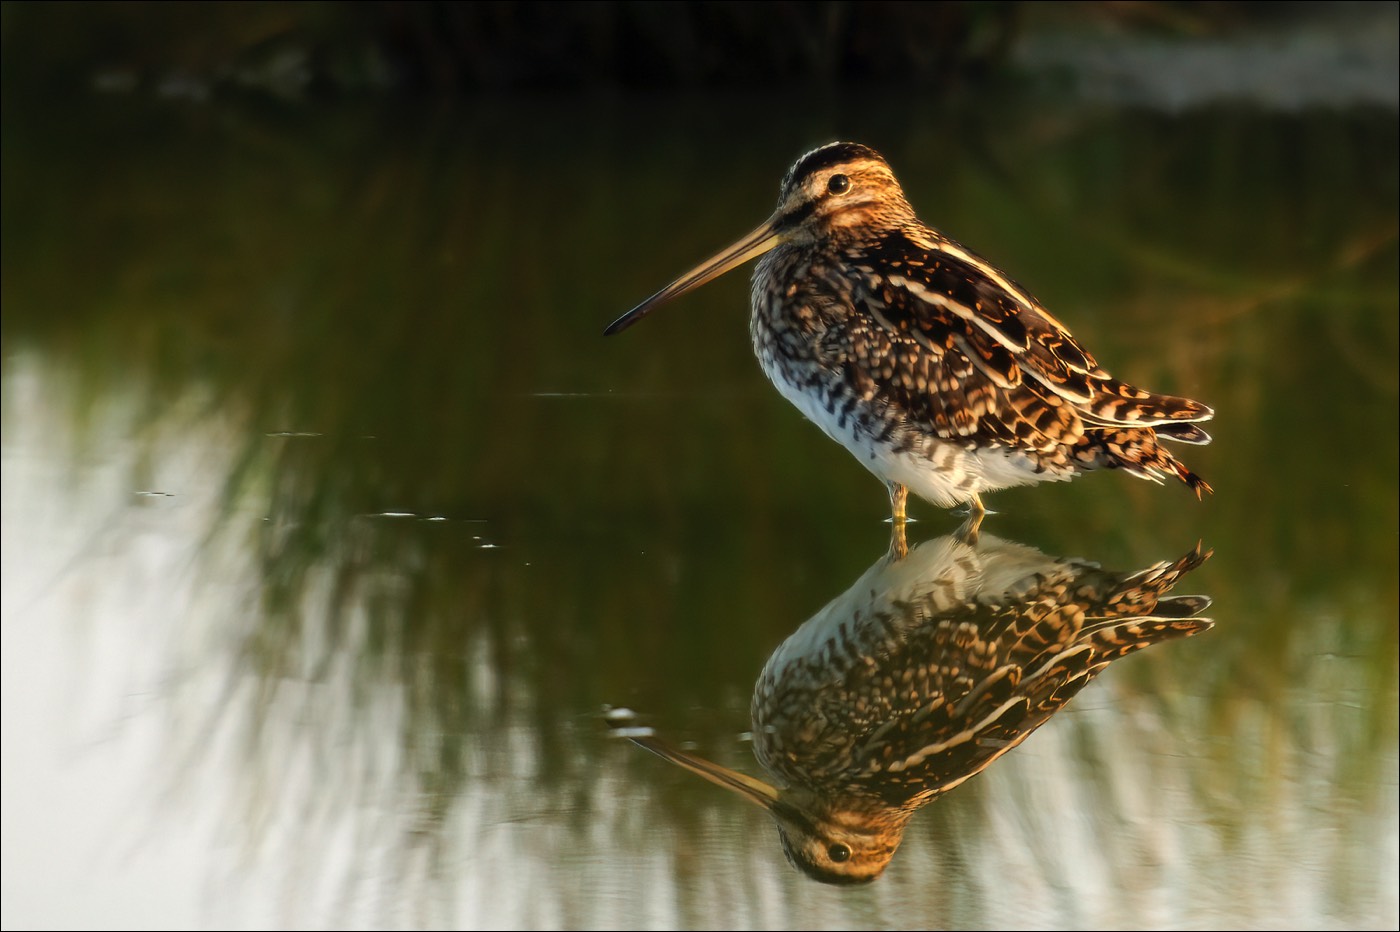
<point>936,370</point>
<point>925,671</point>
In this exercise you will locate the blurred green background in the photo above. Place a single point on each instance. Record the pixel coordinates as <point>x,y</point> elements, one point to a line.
<point>331,521</point>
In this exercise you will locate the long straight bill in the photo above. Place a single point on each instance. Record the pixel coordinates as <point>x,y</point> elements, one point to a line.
<point>755,244</point>
<point>755,791</point>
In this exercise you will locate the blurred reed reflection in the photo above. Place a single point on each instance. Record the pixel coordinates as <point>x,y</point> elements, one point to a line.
<point>933,664</point>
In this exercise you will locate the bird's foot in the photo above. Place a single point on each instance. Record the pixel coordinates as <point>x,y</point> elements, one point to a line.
<point>975,509</point>
<point>899,545</point>
<point>971,530</point>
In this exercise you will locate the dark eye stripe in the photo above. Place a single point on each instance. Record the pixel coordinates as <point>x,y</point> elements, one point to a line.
<point>799,213</point>
<point>827,156</point>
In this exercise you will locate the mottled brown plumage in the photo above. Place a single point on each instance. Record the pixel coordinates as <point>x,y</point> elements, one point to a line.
<point>934,368</point>
<point>926,670</point>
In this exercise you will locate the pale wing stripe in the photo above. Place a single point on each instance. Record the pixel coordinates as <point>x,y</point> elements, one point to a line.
<point>1011,288</point>
<point>967,734</point>
<point>966,313</point>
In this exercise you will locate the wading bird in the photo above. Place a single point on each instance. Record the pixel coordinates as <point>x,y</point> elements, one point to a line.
<point>932,367</point>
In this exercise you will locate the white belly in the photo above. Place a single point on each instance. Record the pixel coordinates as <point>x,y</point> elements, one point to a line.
<point>945,474</point>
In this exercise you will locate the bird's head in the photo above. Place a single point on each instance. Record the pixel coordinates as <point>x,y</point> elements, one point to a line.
<point>824,839</point>
<point>839,190</point>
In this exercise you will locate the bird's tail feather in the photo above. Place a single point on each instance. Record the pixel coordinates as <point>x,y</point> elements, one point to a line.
<point>1136,450</point>
<point>1120,404</point>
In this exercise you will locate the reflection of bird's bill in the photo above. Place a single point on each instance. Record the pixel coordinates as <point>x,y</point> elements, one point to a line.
<point>755,244</point>
<point>752,789</point>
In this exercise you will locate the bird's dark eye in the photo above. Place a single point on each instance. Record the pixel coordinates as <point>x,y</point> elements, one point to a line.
<point>838,184</point>
<point>839,852</point>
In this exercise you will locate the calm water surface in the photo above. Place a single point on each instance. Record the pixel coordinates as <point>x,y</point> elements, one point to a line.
<point>331,524</point>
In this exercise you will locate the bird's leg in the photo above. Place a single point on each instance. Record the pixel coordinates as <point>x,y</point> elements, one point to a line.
<point>899,496</point>
<point>976,510</point>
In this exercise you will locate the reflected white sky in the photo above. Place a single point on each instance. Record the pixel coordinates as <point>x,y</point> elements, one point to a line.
<point>151,780</point>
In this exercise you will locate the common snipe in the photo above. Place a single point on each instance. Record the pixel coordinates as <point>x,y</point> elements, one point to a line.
<point>935,369</point>
<point>924,672</point>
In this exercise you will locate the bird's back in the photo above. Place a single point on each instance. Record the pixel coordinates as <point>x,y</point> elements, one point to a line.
<point>908,340</point>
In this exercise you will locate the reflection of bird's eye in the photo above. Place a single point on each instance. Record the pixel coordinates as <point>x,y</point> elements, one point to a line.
<point>839,184</point>
<point>838,852</point>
